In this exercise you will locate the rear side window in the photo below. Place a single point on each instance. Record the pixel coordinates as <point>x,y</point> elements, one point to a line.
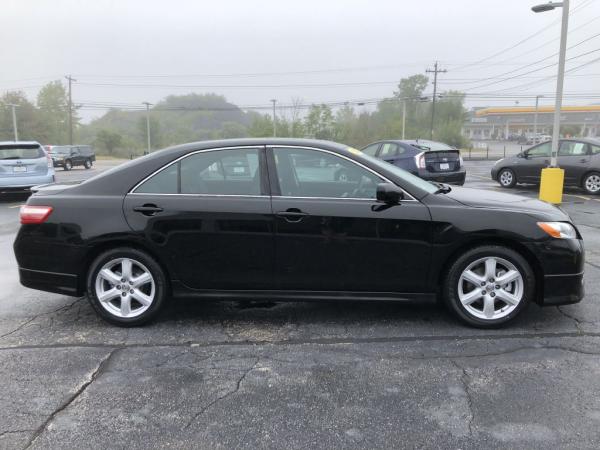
<point>570,148</point>
<point>371,149</point>
<point>219,172</point>
<point>21,152</point>
<point>595,149</point>
<point>388,149</point>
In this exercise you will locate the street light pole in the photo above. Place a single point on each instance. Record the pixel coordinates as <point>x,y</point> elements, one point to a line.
<point>552,180</point>
<point>148,123</point>
<point>14,119</point>
<point>274,118</point>
<point>403,116</point>
<point>535,117</point>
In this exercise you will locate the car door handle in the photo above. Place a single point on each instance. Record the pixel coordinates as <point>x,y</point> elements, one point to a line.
<point>584,160</point>
<point>148,209</point>
<point>292,215</point>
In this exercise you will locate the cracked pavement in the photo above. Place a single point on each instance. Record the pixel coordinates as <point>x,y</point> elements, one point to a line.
<point>299,375</point>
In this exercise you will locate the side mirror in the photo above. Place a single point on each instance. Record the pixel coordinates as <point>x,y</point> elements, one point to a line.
<point>389,193</point>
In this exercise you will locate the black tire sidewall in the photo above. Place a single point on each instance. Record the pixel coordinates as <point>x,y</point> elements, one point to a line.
<point>452,300</point>
<point>159,281</point>
<point>514,178</point>
<point>87,164</point>
<point>68,165</point>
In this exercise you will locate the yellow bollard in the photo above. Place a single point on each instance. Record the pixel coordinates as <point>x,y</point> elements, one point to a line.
<point>551,186</point>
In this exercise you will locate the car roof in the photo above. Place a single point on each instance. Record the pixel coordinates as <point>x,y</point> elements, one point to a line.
<point>19,143</point>
<point>586,140</point>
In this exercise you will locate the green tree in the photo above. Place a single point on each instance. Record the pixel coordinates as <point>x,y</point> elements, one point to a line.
<point>155,131</point>
<point>108,140</point>
<point>53,104</point>
<point>261,126</point>
<point>29,124</point>
<point>319,122</point>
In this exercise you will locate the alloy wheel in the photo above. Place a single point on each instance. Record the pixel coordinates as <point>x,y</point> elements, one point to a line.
<point>506,178</point>
<point>125,287</point>
<point>490,288</point>
<point>592,183</point>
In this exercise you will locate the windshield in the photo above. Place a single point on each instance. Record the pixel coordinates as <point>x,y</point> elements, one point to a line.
<point>21,152</point>
<point>61,150</point>
<point>403,174</point>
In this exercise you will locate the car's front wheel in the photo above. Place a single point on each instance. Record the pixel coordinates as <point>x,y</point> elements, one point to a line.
<point>489,286</point>
<point>87,164</point>
<point>591,183</point>
<point>68,165</point>
<point>126,286</point>
<point>507,178</point>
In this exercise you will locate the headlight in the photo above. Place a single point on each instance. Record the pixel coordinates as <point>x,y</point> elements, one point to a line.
<point>558,230</point>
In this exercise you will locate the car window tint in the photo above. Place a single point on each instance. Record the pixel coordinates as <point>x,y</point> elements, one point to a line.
<point>388,149</point>
<point>221,172</point>
<point>13,151</point>
<point>570,148</point>
<point>164,182</point>
<point>595,149</point>
<point>371,149</point>
<point>540,150</point>
<point>313,173</point>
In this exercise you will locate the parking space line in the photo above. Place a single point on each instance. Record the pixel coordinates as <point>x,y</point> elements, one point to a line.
<point>15,206</point>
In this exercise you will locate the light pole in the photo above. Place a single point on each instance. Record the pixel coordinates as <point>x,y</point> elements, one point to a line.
<point>147,123</point>
<point>403,116</point>
<point>551,186</point>
<point>535,116</point>
<point>14,118</point>
<point>274,118</point>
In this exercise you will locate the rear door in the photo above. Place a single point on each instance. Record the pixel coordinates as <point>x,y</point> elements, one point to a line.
<point>388,151</point>
<point>209,215</point>
<point>333,235</point>
<point>22,160</point>
<point>574,157</point>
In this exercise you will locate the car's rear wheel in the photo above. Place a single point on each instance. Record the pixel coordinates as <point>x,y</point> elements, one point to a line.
<point>87,164</point>
<point>126,286</point>
<point>68,165</point>
<point>507,178</point>
<point>591,183</point>
<point>489,286</point>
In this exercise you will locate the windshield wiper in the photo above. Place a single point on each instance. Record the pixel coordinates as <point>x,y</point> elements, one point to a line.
<point>442,188</point>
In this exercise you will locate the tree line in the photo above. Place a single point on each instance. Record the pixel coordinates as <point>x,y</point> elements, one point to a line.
<point>192,117</point>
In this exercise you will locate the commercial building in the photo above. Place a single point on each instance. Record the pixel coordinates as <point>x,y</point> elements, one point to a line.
<point>500,123</point>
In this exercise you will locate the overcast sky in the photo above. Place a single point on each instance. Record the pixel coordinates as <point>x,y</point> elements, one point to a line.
<point>360,49</point>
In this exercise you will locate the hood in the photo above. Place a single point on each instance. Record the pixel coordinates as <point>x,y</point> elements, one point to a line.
<point>477,198</point>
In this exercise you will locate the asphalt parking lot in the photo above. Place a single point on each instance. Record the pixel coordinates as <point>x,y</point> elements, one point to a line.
<point>298,375</point>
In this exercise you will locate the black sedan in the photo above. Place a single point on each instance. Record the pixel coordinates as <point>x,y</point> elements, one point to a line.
<point>178,223</point>
<point>580,159</point>
<point>430,160</point>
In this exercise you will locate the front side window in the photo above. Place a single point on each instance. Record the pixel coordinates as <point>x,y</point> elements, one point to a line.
<point>540,150</point>
<point>218,172</point>
<point>332,177</point>
<point>595,149</point>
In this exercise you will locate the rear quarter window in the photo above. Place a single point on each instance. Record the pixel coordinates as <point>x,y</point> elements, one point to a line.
<point>21,152</point>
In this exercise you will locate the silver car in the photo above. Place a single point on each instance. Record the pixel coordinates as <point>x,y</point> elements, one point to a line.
<point>24,164</point>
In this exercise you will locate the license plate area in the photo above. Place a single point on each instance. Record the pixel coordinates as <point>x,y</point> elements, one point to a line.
<point>19,169</point>
<point>444,166</point>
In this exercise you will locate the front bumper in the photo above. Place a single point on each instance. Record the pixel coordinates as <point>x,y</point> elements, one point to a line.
<point>457,177</point>
<point>563,289</point>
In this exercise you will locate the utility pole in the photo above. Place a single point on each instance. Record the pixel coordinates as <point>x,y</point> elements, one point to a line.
<point>403,116</point>
<point>148,123</point>
<point>71,79</point>
<point>274,118</point>
<point>435,72</point>
<point>535,116</point>
<point>14,118</point>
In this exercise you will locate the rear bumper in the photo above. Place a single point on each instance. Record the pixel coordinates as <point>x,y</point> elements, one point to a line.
<point>563,289</point>
<point>60,283</point>
<point>13,184</point>
<point>457,177</point>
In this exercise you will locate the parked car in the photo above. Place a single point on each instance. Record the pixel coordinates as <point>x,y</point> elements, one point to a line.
<point>69,156</point>
<point>433,161</point>
<point>161,226</point>
<point>23,164</point>
<point>580,158</point>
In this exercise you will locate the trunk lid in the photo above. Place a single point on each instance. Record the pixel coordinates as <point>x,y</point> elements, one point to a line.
<point>442,160</point>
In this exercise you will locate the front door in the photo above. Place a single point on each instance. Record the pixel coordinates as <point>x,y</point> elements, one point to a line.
<point>209,215</point>
<point>332,234</point>
<point>529,169</point>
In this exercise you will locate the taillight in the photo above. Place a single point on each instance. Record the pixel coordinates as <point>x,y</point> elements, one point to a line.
<point>33,214</point>
<point>420,160</point>
<point>461,161</point>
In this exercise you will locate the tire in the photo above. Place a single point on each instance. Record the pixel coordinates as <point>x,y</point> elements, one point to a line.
<point>87,164</point>
<point>591,183</point>
<point>507,178</point>
<point>145,300</point>
<point>472,309</point>
<point>68,165</point>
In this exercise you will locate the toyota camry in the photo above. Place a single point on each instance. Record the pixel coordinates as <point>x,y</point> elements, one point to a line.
<point>252,218</point>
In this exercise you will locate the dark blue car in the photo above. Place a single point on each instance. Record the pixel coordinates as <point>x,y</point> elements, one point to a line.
<point>433,161</point>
